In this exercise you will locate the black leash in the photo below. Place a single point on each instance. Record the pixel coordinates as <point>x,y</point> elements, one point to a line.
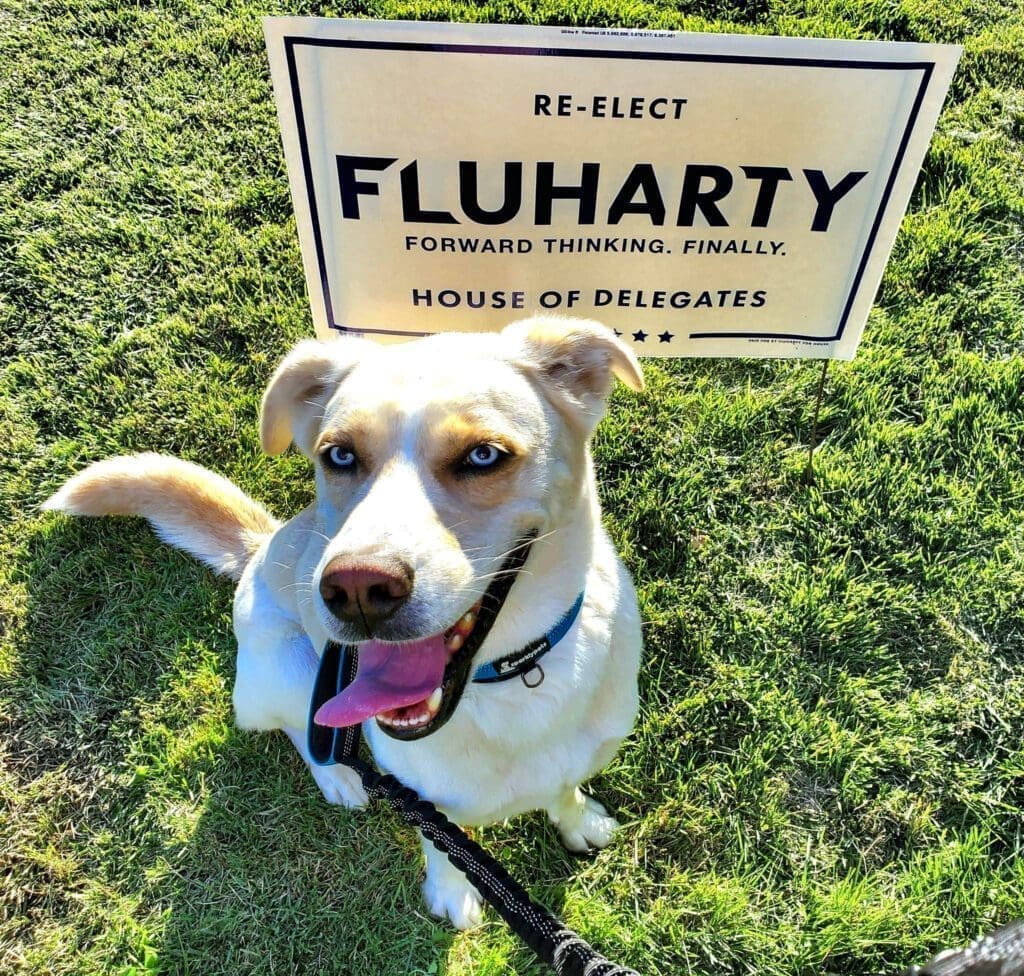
<point>1001,953</point>
<point>558,946</point>
<point>545,933</point>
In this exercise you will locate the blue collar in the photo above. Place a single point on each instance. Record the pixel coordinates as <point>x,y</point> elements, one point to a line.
<point>523,661</point>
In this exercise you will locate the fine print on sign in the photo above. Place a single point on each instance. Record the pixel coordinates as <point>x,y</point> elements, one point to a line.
<point>705,195</point>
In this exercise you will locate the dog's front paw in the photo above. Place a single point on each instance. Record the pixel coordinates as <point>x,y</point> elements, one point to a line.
<point>448,892</point>
<point>340,785</point>
<point>455,899</point>
<point>584,824</point>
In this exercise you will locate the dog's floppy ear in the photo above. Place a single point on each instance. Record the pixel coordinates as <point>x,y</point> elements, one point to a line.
<point>299,390</point>
<point>578,358</point>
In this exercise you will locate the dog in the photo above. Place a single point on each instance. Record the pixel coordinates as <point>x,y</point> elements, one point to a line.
<point>456,531</point>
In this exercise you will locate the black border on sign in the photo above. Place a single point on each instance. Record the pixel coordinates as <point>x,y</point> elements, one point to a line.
<point>925,67</point>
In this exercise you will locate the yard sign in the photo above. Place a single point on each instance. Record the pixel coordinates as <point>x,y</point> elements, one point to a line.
<point>705,195</point>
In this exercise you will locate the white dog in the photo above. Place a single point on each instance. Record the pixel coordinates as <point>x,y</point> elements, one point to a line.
<point>440,464</point>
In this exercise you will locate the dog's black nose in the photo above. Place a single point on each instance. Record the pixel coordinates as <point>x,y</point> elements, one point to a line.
<point>365,593</point>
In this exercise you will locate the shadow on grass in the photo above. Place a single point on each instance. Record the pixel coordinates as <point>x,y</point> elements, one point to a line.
<point>273,880</point>
<point>197,847</point>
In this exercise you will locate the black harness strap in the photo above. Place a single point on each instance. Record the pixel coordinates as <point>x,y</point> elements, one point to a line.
<point>329,745</point>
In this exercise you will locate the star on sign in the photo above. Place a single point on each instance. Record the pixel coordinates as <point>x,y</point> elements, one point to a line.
<point>639,336</point>
<point>666,336</point>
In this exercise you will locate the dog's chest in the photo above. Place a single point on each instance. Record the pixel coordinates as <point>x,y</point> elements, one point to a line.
<point>483,782</point>
<point>510,748</point>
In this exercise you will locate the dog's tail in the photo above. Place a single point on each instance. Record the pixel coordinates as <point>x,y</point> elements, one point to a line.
<point>190,507</point>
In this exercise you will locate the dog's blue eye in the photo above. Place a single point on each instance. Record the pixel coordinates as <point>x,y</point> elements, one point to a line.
<point>484,456</point>
<point>339,458</point>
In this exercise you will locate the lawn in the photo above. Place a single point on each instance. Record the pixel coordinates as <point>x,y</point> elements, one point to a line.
<point>827,775</point>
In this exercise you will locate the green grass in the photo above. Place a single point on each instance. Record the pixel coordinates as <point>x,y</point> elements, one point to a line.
<point>828,773</point>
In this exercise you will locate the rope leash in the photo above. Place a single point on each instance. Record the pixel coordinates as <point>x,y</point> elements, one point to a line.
<point>1001,953</point>
<point>543,932</point>
<point>558,946</point>
<point>554,943</point>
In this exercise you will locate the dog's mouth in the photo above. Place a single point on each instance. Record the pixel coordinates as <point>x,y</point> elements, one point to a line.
<point>410,688</point>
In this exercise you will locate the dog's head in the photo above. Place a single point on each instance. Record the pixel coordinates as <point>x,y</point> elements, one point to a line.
<point>435,460</point>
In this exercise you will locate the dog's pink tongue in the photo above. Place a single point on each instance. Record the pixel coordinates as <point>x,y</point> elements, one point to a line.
<point>389,676</point>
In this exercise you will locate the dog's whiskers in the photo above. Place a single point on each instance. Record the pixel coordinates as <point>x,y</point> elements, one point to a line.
<point>504,574</point>
<point>322,535</point>
<point>306,585</point>
<point>526,543</point>
<point>470,549</point>
<point>518,547</point>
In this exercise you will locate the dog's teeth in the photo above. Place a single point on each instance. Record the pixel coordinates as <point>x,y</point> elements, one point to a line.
<point>434,701</point>
<point>455,642</point>
<point>468,619</point>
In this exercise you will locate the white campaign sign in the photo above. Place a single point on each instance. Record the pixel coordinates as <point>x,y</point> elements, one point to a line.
<point>705,195</point>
